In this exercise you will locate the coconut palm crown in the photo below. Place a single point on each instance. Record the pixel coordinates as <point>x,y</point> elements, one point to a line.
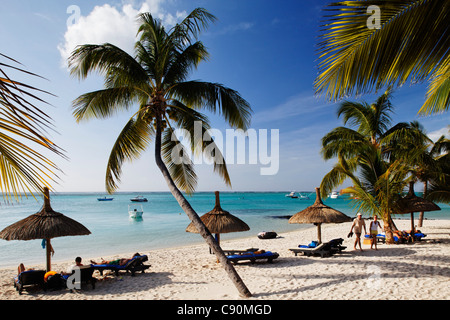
<point>156,79</point>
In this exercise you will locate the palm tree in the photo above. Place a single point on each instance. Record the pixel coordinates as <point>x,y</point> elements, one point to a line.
<point>368,157</point>
<point>432,165</point>
<point>22,133</point>
<point>411,42</point>
<point>156,79</point>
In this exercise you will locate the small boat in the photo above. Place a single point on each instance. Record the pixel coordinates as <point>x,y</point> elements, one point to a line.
<point>139,199</point>
<point>135,212</point>
<point>105,199</point>
<point>292,195</point>
<point>333,195</point>
<point>303,197</point>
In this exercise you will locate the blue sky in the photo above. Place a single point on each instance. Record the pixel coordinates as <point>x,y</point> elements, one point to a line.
<point>266,50</point>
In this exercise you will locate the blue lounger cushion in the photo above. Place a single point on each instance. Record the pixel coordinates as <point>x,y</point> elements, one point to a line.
<point>313,244</point>
<point>420,235</point>
<point>266,254</point>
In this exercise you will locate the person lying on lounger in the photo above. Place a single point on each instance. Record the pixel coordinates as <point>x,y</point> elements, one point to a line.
<point>119,262</point>
<point>21,269</point>
<point>251,253</point>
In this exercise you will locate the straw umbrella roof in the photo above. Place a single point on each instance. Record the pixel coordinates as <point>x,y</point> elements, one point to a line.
<point>319,213</point>
<point>46,224</point>
<point>412,203</point>
<point>220,221</point>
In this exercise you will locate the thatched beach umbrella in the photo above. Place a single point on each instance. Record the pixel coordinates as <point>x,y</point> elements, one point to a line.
<point>412,203</point>
<point>319,213</point>
<point>46,224</point>
<point>220,221</point>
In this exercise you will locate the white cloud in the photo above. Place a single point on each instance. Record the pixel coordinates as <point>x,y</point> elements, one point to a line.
<point>116,25</point>
<point>435,135</point>
<point>294,106</point>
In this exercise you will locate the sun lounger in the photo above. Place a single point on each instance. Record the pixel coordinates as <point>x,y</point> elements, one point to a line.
<point>252,257</point>
<point>29,278</point>
<point>234,252</point>
<point>85,275</point>
<point>381,238</point>
<point>323,249</point>
<point>134,265</point>
<point>336,245</point>
<point>419,236</point>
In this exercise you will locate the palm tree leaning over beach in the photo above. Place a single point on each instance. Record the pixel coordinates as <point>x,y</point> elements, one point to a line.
<point>369,45</point>
<point>156,79</point>
<point>23,125</point>
<point>368,157</point>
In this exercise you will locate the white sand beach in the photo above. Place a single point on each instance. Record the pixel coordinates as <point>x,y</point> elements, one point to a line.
<point>419,271</point>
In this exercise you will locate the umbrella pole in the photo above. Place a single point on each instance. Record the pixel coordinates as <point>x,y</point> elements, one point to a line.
<point>218,243</point>
<point>48,249</point>
<point>319,233</point>
<point>412,226</point>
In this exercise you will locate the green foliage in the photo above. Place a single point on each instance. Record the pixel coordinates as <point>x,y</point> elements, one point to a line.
<point>156,79</point>
<point>23,167</point>
<point>410,45</point>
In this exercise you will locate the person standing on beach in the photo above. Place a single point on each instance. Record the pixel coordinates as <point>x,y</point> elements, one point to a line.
<point>374,231</point>
<point>358,225</point>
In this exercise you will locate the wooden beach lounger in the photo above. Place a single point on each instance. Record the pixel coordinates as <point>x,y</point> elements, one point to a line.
<point>234,252</point>
<point>324,249</point>
<point>134,265</point>
<point>336,245</point>
<point>252,257</point>
<point>29,278</point>
<point>86,275</point>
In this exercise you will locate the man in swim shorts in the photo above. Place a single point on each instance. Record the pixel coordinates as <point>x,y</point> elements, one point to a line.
<point>357,226</point>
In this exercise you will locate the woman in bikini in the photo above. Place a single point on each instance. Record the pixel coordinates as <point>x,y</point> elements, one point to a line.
<point>374,232</point>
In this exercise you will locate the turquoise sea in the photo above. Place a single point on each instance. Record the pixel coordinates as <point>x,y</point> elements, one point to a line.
<point>163,224</point>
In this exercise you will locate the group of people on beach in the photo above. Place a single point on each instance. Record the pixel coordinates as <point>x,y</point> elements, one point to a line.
<point>359,224</point>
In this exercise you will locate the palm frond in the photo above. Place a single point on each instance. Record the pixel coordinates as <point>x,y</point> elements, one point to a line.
<point>197,21</point>
<point>344,142</point>
<point>411,43</point>
<point>131,142</point>
<point>438,95</point>
<point>341,171</point>
<point>215,98</point>
<point>23,128</point>
<point>201,143</point>
<point>178,163</point>
<point>105,59</point>
<point>184,62</point>
<point>102,104</point>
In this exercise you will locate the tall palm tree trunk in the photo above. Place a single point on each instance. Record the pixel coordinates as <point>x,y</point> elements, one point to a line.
<point>425,187</point>
<point>389,228</point>
<point>193,216</point>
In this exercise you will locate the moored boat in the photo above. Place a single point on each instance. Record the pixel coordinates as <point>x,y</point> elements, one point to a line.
<point>333,195</point>
<point>135,212</point>
<point>105,199</point>
<point>292,195</point>
<point>139,199</point>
